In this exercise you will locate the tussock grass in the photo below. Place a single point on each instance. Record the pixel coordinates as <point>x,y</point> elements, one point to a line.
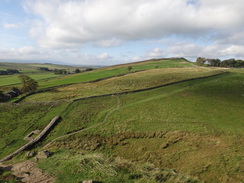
<point>75,167</point>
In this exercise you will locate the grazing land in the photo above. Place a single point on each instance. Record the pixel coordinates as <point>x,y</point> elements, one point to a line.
<point>10,80</point>
<point>130,82</point>
<point>114,71</point>
<point>189,131</point>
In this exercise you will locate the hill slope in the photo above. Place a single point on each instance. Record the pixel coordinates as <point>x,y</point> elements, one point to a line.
<point>190,131</point>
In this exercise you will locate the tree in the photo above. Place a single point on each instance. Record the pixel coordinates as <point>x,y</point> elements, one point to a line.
<point>77,70</point>
<point>129,68</point>
<point>228,63</point>
<point>29,84</point>
<point>214,62</point>
<point>200,61</point>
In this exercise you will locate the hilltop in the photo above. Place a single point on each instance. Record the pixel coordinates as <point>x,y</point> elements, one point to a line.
<point>163,120</point>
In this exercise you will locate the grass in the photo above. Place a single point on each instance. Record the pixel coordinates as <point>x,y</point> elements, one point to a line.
<point>99,167</point>
<point>112,71</point>
<point>18,121</point>
<point>207,105</point>
<point>185,132</point>
<point>186,127</point>
<point>6,80</point>
<point>129,82</point>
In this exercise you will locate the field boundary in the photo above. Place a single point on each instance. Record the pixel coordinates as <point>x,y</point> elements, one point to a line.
<point>46,130</point>
<point>92,81</point>
<point>151,88</point>
<point>120,93</point>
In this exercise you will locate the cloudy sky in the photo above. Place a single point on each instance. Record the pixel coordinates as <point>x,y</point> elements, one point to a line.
<point>104,32</point>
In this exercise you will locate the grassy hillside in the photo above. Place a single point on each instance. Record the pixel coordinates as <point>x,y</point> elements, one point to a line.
<point>103,72</point>
<point>186,132</point>
<point>30,69</point>
<point>7,80</point>
<point>130,82</point>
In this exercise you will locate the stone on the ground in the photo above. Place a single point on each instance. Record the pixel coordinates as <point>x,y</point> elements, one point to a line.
<point>30,154</point>
<point>43,154</point>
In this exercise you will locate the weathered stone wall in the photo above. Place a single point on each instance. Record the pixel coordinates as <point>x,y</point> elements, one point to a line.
<point>46,130</point>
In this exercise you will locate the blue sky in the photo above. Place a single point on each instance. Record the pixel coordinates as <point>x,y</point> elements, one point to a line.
<point>105,32</point>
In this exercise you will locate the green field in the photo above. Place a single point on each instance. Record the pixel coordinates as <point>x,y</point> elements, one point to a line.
<point>130,82</point>
<point>6,80</point>
<point>114,71</point>
<point>190,131</point>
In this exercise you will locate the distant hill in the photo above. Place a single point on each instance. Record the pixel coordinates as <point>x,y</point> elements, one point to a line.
<point>35,66</point>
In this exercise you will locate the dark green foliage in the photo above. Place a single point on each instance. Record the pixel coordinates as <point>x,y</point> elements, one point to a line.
<point>129,68</point>
<point>29,84</point>
<point>214,62</point>
<point>77,70</point>
<point>9,71</point>
<point>44,69</point>
<point>60,71</point>
<point>89,69</point>
<point>232,63</point>
<point>200,61</point>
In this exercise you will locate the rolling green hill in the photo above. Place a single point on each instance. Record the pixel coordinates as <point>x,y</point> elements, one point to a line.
<point>95,74</point>
<point>187,126</point>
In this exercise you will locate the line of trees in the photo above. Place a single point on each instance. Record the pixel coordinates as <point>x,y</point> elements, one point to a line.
<point>60,71</point>
<point>44,69</point>
<point>9,71</point>
<point>201,61</point>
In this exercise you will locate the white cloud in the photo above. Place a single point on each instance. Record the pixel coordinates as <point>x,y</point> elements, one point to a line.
<point>19,52</point>
<point>104,56</point>
<point>108,43</point>
<point>157,52</point>
<point>76,30</point>
<point>10,26</point>
<point>192,51</point>
<point>73,23</point>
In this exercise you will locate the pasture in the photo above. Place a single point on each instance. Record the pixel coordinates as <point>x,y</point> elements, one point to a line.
<point>190,131</point>
<point>130,82</point>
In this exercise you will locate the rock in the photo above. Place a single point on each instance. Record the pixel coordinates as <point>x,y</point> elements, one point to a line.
<point>30,154</point>
<point>87,181</point>
<point>43,154</point>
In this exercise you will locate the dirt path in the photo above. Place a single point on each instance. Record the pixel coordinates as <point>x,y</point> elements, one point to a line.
<point>29,173</point>
<point>94,126</point>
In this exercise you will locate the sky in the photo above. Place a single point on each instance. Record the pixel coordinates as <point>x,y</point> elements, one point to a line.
<point>108,32</point>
